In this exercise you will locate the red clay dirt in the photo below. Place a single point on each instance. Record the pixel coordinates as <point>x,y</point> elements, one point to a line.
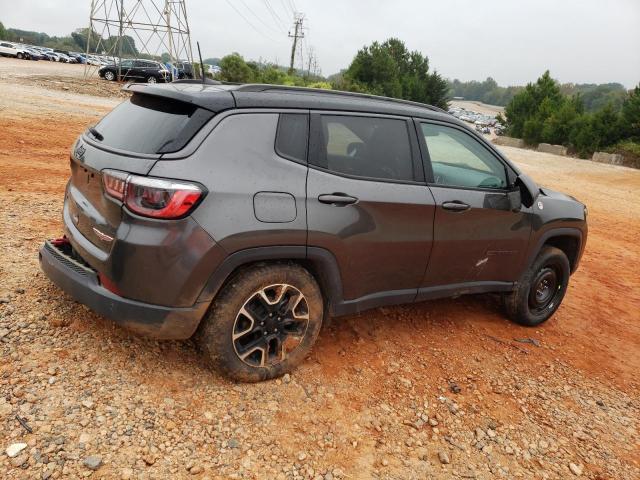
<point>352,407</point>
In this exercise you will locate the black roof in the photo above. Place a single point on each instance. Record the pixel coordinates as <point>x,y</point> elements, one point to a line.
<point>218,97</point>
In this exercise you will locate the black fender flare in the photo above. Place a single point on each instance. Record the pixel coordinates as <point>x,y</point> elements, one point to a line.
<point>321,263</point>
<point>557,232</point>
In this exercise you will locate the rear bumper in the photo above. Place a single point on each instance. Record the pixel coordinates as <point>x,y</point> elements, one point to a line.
<point>142,318</point>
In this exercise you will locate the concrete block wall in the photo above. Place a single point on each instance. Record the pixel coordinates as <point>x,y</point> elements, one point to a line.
<point>509,142</point>
<point>555,149</point>
<point>612,158</point>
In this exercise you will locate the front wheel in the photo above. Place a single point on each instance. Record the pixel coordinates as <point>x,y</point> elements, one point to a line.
<point>263,323</point>
<point>20,56</point>
<point>540,290</point>
<point>108,75</point>
<point>152,79</point>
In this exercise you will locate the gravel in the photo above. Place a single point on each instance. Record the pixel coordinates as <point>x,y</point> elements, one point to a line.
<point>373,400</point>
<point>14,449</point>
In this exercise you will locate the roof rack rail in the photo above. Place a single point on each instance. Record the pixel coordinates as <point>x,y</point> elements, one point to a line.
<point>207,81</point>
<point>263,87</point>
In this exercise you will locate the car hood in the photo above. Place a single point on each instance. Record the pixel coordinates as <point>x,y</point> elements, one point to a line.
<point>557,195</point>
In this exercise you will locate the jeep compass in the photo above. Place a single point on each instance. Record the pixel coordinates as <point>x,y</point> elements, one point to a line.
<point>244,215</point>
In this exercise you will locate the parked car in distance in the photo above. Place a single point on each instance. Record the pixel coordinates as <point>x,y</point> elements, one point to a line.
<point>78,56</point>
<point>137,70</point>
<point>243,214</point>
<point>34,54</point>
<point>185,70</point>
<point>8,49</point>
<point>90,60</point>
<point>53,57</point>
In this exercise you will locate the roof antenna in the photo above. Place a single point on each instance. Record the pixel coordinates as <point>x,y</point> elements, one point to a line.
<point>201,64</point>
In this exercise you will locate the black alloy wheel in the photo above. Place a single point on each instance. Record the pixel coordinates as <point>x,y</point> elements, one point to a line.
<point>270,325</point>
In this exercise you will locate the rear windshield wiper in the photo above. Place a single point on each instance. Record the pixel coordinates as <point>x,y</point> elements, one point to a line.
<point>98,136</point>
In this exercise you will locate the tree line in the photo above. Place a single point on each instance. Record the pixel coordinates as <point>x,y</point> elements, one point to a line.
<point>541,112</point>
<point>593,96</point>
<point>584,117</point>
<point>387,69</point>
<point>76,41</point>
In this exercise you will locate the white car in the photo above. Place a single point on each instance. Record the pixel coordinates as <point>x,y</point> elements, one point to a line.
<point>91,60</point>
<point>10,50</point>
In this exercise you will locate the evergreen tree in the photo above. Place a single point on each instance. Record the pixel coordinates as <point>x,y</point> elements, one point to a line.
<point>629,122</point>
<point>389,69</point>
<point>235,69</point>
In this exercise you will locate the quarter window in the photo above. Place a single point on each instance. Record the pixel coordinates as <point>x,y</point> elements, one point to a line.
<point>292,136</point>
<point>457,159</point>
<point>370,147</point>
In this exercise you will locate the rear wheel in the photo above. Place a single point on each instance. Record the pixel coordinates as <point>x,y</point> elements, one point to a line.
<point>152,79</point>
<point>20,56</point>
<point>263,323</point>
<point>540,290</point>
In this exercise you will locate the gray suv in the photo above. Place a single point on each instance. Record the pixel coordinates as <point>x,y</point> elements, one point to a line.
<point>244,215</point>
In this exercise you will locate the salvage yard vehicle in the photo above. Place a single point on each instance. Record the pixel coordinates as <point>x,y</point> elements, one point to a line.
<point>8,49</point>
<point>137,70</point>
<point>247,214</point>
<point>53,57</point>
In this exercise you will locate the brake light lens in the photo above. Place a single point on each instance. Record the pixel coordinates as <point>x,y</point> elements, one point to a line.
<point>152,197</point>
<point>114,183</point>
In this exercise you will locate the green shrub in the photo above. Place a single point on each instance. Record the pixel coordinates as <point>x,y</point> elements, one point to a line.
<point>542,113</point>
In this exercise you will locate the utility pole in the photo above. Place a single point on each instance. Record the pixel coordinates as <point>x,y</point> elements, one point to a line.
<point>311,59</point>
<point>117,21</point>
<point>172,60</point>
<point>120,30</point>
<point>297,33</point>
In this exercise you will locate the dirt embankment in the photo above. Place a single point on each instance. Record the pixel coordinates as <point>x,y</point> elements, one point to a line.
<point>376,399</point>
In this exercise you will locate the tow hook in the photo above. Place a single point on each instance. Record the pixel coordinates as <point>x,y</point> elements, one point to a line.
<point>59,242</point>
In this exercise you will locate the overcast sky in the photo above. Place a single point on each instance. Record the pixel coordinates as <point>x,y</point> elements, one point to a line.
<point>580,41</point>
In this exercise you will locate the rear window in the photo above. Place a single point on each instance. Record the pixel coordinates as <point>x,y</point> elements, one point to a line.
<point>147,124</point>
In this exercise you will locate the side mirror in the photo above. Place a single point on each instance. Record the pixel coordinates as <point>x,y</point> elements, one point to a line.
<point>529,190</point>
<point>515,199</point>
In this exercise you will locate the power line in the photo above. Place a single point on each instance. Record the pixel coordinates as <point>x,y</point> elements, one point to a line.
<point>249,22</point>
<point>287,8</point>
<point>275,16</point>
<point>258,17</point>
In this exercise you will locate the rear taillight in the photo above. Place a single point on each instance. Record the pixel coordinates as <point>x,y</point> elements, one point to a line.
<point>152,197</point>
<point>114,183</point>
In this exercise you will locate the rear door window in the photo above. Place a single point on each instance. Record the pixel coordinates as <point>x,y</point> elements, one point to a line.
<point>369,147</point>
<point>147,124</point>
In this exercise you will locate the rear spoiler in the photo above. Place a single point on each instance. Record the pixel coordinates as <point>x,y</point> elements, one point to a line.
<point>204,96</point>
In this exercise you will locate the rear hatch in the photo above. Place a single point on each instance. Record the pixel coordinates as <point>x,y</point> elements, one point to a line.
<point>130,139</point>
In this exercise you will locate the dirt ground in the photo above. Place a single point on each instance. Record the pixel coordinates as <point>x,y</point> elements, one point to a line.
<point>439,390</point>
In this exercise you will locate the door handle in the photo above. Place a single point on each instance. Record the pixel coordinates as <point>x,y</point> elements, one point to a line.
<point>456,206</point>
<point>337,199</point>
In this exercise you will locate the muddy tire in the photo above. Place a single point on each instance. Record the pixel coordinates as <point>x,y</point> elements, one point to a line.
<point>263,323</point>
<point>540,290</point>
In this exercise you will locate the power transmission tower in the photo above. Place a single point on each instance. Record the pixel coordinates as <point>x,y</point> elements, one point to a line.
<point>298,33</point>
<point>138,29</point>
